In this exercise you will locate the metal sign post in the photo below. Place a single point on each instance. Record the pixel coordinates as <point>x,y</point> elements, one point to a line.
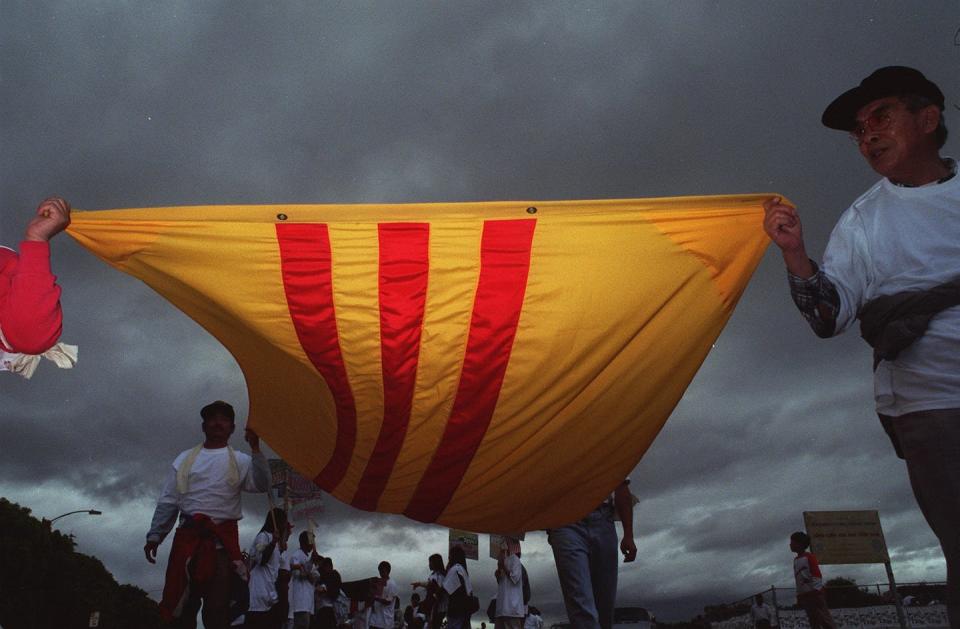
<point>845,537</point>
<point>901,615</point>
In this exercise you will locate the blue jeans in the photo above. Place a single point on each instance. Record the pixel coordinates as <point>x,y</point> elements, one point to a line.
<point>587,562</point>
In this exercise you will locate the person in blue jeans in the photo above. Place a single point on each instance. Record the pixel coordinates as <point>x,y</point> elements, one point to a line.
<point>585,552</point>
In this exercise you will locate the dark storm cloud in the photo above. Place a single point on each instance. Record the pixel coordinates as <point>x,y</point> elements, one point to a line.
<point>124,105</point>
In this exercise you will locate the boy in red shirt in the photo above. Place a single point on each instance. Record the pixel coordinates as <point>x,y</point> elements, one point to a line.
<point>810,594</point>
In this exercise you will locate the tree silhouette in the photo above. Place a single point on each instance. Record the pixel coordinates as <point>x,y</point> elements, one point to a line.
<point>843,592</point>
<point>44,582</point>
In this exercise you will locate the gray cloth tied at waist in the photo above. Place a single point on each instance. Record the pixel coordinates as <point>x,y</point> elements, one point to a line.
<point>890,323</point>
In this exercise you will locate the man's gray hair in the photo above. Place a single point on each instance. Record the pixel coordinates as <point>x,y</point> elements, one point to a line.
<point>915,102</point>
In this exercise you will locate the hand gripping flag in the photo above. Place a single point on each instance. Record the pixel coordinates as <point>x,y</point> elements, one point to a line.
<point>495,367</point>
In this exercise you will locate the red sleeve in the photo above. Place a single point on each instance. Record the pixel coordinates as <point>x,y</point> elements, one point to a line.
<point>814,566</point>
<point>30,314</point>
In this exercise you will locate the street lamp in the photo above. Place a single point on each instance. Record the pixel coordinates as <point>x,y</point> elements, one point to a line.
<point>47,523</point>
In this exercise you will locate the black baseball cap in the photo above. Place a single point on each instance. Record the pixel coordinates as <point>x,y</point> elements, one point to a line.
<point>888,81</point>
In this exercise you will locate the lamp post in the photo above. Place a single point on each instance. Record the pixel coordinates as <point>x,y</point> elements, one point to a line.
<point>47,544</point>
<point>48,523</point>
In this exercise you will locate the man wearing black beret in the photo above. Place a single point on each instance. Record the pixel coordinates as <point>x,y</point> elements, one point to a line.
<point>893,262</point>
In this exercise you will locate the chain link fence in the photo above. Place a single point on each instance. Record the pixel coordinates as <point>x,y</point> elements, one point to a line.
<point>852,607</point>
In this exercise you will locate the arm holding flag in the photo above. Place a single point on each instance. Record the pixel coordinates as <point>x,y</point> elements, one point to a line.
<point>258,478</point>
<point>30,314</point>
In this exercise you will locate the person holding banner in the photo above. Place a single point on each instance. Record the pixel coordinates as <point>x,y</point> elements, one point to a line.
<point>203,487</point>
<point>30,315</point>
<point>891,262</point>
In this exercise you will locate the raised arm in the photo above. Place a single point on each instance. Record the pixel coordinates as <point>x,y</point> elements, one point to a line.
<point>783,226</point>
<point>30,314</point>
<point>260,478</point>
<point>52,217</point>
<point>814,294</point>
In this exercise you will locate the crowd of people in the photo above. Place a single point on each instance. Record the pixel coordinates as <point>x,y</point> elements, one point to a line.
<point>270,585</point>
<point>273,585</point>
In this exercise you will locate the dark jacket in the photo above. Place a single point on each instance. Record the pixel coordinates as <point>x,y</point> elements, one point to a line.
<point>890,323</point>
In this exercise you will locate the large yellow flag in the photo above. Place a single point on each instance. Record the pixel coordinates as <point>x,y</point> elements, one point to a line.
<point>487,366</point>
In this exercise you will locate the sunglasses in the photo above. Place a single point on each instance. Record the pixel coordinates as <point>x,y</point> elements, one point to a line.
<point>878,120</point>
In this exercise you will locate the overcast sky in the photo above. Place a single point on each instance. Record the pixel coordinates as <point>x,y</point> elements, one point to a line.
<point>126,104</point>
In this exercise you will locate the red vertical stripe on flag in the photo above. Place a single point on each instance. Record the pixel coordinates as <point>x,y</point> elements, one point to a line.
<point>504,265</point>
<point>404,262</point>
<point>306,266</point>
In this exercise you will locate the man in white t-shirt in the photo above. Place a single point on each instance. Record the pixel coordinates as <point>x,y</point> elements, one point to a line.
<point>892,263</point>
<point>511,608</point>
<point>384,603</point>
<point>203,487</point>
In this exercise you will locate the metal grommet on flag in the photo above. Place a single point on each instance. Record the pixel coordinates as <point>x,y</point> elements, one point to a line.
<point>531,210</point>
<point>282,217</point>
